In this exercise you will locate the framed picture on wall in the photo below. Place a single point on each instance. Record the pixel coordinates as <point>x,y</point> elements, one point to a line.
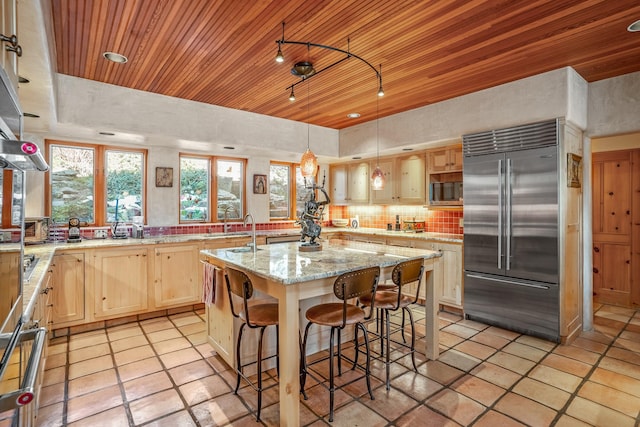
<point>574,170</point>
<point>259,184</point>
<point>164,177</point>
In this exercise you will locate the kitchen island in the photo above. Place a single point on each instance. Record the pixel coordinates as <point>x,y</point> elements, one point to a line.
<point>283,272</point>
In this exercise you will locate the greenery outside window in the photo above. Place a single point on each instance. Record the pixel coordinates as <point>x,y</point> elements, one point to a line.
<point>211,181</point>
<point>81,174</point>
<point>286,183</point>
<point>194,189</point>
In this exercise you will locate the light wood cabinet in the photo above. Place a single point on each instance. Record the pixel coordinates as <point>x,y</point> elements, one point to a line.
<point>120,282</point>
<point>452,286</point>
<point>448,159</point>
<point>611,273</point>
<point>176,275</point>
<point>405,181</point>
<point>350,183</point>
<point>68,270</point>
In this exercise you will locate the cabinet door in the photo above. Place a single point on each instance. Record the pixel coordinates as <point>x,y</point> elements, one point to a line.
<point>358,184</point>
<point>452,289</point>
<point>616,197</point>
<point>438,160</point>
<point>338,184</point>
<point>176,275</point>
<point>120,282</point>
<point>387,194</point>
<point>68,288</point>
<point>455,159</point>
<point>412,180</point>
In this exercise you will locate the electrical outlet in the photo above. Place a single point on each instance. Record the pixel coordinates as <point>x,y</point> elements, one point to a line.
<point>5,236</point>
<point>461,222</point>
<point>100,234</point>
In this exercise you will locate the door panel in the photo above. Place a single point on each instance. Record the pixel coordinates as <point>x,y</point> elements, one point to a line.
<point>532,190</point>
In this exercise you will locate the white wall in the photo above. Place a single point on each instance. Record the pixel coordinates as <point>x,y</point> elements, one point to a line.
<point>614,106</point>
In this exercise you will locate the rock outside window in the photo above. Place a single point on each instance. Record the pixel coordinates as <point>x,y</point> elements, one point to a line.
<point>259,184</point>
<point>164,177</point>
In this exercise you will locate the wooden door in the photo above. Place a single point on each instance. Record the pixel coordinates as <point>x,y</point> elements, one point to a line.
<point>612,274</point>
<point>176,278</point>
<point>68,289</point>
<point>120,282</point>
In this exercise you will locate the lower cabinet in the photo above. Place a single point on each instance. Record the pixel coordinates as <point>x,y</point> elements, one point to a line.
<point>612,273</point>
<point>68,270</point>
<point>452,277</point>
<point>176,275</point>
<point>120,282</point>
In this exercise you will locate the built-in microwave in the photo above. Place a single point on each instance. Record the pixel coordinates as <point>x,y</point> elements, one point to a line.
<point>445,193</point>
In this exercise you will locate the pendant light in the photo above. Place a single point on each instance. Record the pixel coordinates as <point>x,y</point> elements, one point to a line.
<point>377,177</point>
<point>309,161</point>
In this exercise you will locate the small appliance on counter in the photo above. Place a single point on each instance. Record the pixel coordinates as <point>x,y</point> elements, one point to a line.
<point>119,231</point>
<point>74,231</point>
<point>413,226</point>
<point>137,230</point>
<point>36,230</point>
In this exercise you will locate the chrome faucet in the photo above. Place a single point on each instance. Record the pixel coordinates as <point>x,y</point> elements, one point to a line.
<point>253,230</point>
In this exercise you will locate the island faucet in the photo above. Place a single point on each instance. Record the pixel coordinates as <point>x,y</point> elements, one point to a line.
<point>253,230</point>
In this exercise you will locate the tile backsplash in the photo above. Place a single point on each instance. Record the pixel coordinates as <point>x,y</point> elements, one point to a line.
<point>437,220</point>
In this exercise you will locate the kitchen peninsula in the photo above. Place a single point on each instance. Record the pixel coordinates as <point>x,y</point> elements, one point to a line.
<point>294,278</point>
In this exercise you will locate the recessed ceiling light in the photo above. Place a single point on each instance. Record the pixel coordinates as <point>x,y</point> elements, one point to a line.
<point>634,27</point>
<point>353,115</point>
<point>23,79</point>
<point>229,148</point>
<point>407,149</point>
<point>115,57</point>
<point>35,116</point>
<point>107,133</point>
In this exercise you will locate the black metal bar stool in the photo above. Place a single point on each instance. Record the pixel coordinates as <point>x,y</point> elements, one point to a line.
<point>389,300</point>
<point>254,316</point>
<point>338,315</point>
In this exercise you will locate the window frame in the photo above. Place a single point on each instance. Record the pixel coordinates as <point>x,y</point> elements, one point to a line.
<point>99,176</point>
<point>213,186</point>
<point>293,192</point>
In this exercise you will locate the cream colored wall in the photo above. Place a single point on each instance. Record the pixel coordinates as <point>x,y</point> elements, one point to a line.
<point>617,142</point>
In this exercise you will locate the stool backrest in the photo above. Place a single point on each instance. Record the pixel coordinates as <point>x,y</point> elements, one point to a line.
<point>406,272</point>
<point>239,284</point>
<point>355,284</point>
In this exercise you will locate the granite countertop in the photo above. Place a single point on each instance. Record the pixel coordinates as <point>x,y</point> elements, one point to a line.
<point>45,252</point>
<point>285,263</point>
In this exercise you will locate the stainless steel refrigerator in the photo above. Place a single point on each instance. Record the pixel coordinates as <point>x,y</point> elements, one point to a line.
<point>511,228</point>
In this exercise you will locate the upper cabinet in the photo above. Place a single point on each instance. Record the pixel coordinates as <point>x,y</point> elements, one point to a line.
<point>350,183</point>
<point>447,159</point>
<point>404,180</point>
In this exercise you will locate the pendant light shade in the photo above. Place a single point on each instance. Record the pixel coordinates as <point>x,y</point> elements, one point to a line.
<point>377,179</point>
<point>308,164</point>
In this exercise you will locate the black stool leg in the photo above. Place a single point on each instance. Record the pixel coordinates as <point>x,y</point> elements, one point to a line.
<point>303,360</point>
<point>332,387</point>
<point>413,338</point>
<point>388,354</point>
<point>260,372</point>
<point>367,368</point>
<point>238,362</point>
<point>278,350</point>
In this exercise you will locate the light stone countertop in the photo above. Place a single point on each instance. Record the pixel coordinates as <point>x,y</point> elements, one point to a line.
<point>285,263</point>
<point>45,252</point>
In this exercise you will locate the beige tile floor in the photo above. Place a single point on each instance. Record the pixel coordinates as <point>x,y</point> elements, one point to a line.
<point>161,372</point>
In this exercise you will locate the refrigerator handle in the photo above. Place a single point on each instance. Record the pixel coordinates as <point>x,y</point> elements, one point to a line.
<point>508,216</point>
<point>499,214</point>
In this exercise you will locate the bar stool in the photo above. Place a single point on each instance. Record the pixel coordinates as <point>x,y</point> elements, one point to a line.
<point>354,284</point>
<point>254,316</point>
<point>389,300</point>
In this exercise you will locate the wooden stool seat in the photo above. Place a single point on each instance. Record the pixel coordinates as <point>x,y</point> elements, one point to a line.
<point>261,314</point>
<point>330,314</point>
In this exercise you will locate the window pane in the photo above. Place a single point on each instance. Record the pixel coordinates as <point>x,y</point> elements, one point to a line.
<point>230,189</point>
<point>124,185</point>
<point>194,189</point>
<point>279,184</point>
<point>302,193</point>
<point>72,183</point>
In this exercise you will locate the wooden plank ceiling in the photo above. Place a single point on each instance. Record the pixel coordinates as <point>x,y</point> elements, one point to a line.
<point>222,52</point>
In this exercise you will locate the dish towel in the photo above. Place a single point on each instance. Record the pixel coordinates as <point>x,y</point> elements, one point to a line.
<point>208,283</point>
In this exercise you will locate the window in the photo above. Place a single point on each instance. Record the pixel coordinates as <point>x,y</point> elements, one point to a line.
<point>194,189</point>
<point>230,188</point>
<point>283,189</point>
<point>81,174</point>
<point>198,176</point>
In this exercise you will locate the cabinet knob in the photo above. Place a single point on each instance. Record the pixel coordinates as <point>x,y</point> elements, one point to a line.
<point>595,270</point>
<point>596,249</point>
<point>611,193</point>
